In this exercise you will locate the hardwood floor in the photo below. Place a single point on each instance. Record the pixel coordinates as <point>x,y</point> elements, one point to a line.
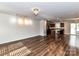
<point>39,46</point>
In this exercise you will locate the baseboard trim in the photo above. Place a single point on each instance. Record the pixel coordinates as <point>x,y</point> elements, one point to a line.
<point>11,42</point>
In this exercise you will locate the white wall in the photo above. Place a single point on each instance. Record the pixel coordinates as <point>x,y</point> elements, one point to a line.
<point>43,27</point>
<point>67,27</point>
<point>11,30</point>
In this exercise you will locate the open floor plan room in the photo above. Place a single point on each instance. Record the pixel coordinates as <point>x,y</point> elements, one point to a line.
<point>39,28</point>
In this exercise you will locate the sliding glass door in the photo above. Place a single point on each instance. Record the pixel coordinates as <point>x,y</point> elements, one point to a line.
<point>74,28</point>
<point>77,30</point>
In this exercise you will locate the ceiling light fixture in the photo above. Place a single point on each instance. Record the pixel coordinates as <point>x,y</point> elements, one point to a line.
<point>58,19</point>
<point>35,11</point>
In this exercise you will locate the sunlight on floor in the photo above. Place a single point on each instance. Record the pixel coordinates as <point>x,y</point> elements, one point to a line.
<point>74,41</point>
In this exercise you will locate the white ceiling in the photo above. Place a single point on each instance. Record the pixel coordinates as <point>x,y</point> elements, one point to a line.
<point>48,9</point>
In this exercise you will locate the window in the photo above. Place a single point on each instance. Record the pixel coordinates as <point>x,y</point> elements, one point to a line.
<point>74,28</point>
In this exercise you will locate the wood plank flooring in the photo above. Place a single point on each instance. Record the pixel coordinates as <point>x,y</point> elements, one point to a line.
<point>39,46</point>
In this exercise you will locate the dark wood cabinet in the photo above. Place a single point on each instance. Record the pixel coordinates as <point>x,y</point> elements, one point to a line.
<point>52,25</point>
<point>61,24</point>
<point>51,28</point>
